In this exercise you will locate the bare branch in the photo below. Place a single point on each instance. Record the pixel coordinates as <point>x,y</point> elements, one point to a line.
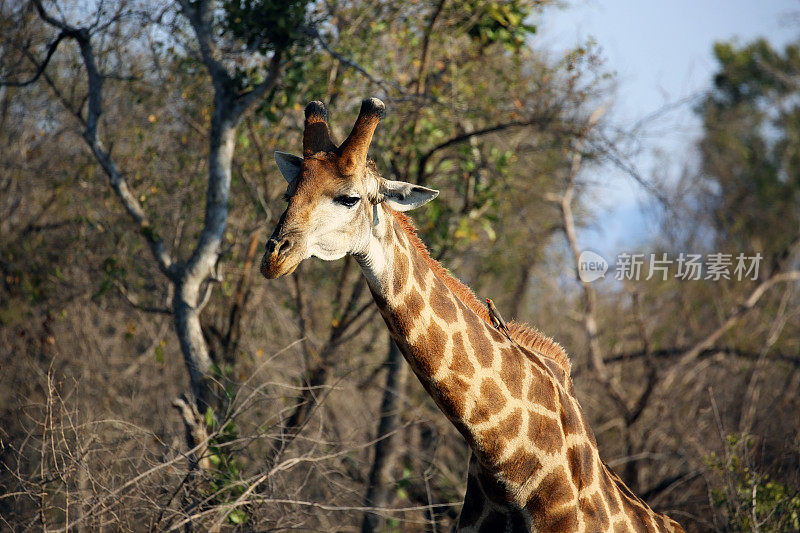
<point>201,17</point>
<point>589,295</point>
<point>703,346</point>
<point>536,121</point>
<point>611,152</point>
<point>273,74</point>
<point>426,41</point>
<point>314,505</point>
<point>63,26</point>
<point>666,484</point>
<point>134,302</point>
<point>118,183</point>
<point>40,67</point>
<point>313,32</point>
<point>73,110</point>
<point>196,432</point>
<point>231,338</point>
<point>355,330</point>
<point>667,353</point>
<point>386,445</point>
<point>739,312</point>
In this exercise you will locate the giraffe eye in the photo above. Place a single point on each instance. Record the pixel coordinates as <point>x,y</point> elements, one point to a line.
<point>347,201</point>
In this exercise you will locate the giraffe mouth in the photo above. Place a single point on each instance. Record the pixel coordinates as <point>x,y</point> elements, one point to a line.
<point>273,268</point>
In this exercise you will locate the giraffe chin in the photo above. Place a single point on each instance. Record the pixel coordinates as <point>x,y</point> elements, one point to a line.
<point>276,269</point>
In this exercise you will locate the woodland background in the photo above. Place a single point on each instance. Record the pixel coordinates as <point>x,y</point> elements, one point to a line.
<point>151,379</point>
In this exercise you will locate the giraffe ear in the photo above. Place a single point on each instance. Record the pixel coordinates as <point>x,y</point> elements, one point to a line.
<point>289,165</point>
<point>402,196</point>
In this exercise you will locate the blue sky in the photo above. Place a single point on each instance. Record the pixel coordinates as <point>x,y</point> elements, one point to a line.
<point>660,52</point>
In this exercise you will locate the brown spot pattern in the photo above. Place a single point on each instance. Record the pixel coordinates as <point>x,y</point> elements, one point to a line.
<point>496,438</point>
<point>444,307</point>
<point>461,365</point>
<point>405,317</point>
<point>520,467</point>
<point>481,347</point>
<point>458,343</point>
<point>553,492</point>
<point>544,432</point>
<point>453,395</point>
<point>609,489</point>
<point>580,462</point>
<point>434,345</point>
<point>594,513</point>
<point>557,370</point>
<point>400,274</point>
<point>561,520</point>
<point>586,429</point>
<point>489,403</point>
<point>570,418</point>
<point>621,527</point>
<point>509,427</point>
<point>420,271</point>
<point>574,465</point>
<point>641,520</point>
<point>512,372</point>
<point>543,393</point>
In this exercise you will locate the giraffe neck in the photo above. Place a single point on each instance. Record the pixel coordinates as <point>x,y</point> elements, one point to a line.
<point>504,400</point>
<point>535,462</point>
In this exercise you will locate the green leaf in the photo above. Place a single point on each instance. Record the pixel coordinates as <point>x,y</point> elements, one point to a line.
<point>487,227</point>
<point>237,516</point>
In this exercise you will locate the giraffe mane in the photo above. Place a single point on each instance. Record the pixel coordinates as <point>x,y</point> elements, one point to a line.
<point>523,334</point>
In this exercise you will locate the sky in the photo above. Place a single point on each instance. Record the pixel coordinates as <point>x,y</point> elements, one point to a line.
<point>660,53</point>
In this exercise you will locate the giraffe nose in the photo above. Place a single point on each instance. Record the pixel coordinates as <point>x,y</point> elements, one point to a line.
<point>279,247</point>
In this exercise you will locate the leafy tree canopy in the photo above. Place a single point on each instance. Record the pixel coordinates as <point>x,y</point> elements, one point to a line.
<point>751,146</point>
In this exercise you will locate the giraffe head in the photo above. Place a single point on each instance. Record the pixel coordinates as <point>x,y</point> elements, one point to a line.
<point>333,194</point>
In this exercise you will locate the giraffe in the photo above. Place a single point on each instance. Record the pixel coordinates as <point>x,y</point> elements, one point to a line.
<point>534,464</point>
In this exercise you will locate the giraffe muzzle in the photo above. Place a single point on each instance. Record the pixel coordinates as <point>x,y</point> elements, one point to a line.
<point>278,259</point>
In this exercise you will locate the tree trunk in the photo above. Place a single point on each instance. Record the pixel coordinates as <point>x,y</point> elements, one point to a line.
<point>186,317</point>
<point>520,289</point>
<point>386,448</point>
<point>188,301</point>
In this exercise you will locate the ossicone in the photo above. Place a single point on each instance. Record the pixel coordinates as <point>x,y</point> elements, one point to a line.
<point>316,133</point>
<point>353,151</point>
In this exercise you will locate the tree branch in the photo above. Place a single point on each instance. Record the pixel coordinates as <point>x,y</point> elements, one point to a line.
<point>200,17</point>
<point>426,41</point>
<point>386,447</point>
<point>667,353</point>
<point>40,67</point>
<point>692,354</point>
<point>564,203</point>
<point>196,432</point>
<point>118,183</point>
<point>273,74</point>
<point>313,32</point>
<point>135,303</point>
<point>422,175</point>
<point>652,370</point>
